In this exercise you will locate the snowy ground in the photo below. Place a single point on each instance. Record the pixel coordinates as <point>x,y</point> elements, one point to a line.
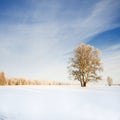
<point>59,103</point>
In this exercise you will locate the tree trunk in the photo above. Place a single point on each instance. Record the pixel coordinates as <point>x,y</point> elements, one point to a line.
<point>84,84</point>
<point>81,83</point>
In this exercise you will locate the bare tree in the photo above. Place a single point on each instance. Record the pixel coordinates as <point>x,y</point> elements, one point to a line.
<point>85,64</point>
<point>109,81</point>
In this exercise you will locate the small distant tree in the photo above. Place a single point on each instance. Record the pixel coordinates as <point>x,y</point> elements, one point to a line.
<point>85,64</point>
<point>2,79</point>
<point>109,81</point>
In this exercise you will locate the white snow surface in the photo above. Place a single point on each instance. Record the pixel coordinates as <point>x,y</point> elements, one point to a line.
<point>59,103</point>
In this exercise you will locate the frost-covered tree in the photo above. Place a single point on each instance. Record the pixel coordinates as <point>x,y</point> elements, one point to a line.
<point>109,81</point>
<point>2,78</point>
<point>85,64</point>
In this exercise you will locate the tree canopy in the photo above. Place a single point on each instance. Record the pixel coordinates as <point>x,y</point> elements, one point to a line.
<point>85,64</point>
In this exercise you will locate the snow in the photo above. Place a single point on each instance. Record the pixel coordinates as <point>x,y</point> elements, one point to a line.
<point>59,103</point>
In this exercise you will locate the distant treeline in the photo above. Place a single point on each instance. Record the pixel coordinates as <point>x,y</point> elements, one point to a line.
<point>22,81</point>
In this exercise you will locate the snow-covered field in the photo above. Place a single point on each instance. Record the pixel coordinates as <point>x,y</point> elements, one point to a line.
<point>59,103</point>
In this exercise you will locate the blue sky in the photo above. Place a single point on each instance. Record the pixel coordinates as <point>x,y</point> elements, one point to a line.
<point>38,36</point>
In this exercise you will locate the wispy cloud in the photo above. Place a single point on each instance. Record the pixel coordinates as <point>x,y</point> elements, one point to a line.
<point>112,48</point>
